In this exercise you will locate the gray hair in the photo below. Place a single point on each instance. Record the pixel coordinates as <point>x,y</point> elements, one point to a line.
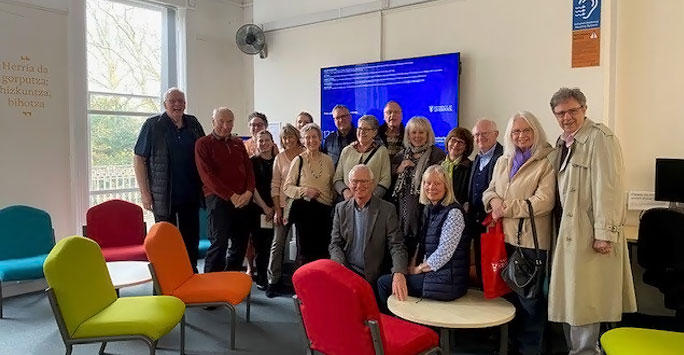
<point>361,167</point>
<point>486,121</point>
<point>564,94</point>
<point>339,106</point>
<point>310,126</point>
<point>419,122</point>
<point>441,173</point>
<point>539,134</point>
<point>289,129</point>
<point>371,120</point>
<point>171,91</point>
<point>220,111</point>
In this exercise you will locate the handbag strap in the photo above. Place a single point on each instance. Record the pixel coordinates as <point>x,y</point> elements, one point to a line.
<point>538,260</point>
<point>368,158</point>
<point>299,174</point>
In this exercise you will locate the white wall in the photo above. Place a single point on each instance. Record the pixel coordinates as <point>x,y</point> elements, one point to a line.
<point>272,10</point>
<point>514,54</point>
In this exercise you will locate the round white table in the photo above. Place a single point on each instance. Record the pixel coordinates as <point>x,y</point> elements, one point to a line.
<point>128,273</point>
<point>469,311</point>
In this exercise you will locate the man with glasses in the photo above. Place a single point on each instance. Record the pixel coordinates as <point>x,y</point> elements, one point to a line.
<point>488,152</point>
<point>364,228</point>
<point>591,279</point>
<point>165,169</point>
<point>344,136</point>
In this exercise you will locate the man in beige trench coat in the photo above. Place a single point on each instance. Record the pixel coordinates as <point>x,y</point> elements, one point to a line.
<point>591,278</point>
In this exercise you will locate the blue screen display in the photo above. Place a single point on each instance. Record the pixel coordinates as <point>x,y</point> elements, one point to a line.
<point>423,86</point>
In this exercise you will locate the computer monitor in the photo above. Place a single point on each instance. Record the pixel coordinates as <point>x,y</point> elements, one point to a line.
<point>669,180</point>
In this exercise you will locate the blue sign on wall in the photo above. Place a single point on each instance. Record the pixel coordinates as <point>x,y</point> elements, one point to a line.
<point>586,14</point>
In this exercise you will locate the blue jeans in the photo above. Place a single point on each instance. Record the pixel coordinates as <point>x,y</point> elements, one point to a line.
<point>414,285</point>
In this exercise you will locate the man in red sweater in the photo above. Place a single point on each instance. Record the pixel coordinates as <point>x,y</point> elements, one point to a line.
<point>226,172</point>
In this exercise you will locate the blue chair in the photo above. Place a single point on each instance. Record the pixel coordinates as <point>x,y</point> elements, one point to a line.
<point>26,238</point>
<point>204,242</point>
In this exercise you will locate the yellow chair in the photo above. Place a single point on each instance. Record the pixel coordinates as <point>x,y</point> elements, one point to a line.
<point>637,341</point>
<point>87,309</point>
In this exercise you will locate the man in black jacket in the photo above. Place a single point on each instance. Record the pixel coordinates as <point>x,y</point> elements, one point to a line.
<point>489,151</point>
<point>166,172</point>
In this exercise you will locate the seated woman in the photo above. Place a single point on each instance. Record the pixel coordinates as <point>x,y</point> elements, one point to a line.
<point>439,268</point>
<point>524,173</point>
<point>364,151</point>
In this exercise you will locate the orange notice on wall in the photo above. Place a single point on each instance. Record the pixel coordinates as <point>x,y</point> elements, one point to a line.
<point>586,48</point>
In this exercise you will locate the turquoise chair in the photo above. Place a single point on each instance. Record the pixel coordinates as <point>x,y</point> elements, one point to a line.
<point>26,237</point>
<point>87,309</point>
<point>204,242</point>
<point>636,341</point>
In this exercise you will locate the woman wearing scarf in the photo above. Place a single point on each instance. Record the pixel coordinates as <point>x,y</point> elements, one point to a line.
<point>408,166</point>
<point>524,173</point>
<point>459,146</point>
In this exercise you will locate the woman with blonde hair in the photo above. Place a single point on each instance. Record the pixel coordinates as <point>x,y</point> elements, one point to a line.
<point>439,268</point>
<point>292,147</point>
<point>408,166</point>
<point>524,173</point>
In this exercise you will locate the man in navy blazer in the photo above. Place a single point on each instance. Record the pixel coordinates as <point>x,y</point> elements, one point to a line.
<point>366,234</point>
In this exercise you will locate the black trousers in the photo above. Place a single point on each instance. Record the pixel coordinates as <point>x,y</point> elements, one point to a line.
<point>186,218</point>
<point>314,225</point>
<point>226,223</point>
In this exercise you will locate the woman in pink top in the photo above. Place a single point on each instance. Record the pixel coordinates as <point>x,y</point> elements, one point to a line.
<point>292,147</point>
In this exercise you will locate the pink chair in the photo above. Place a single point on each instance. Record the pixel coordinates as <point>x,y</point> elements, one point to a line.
<point>118,227</point>
<point>340,315</point>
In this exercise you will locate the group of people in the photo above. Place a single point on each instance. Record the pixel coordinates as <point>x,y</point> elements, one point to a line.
<point>390,205</point>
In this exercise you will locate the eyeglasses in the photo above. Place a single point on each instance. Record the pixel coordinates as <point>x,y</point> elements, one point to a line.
<point>365,130</point>
<point>482,134</point>
<point>457,141</point>
<point>257,124</point>
<point>359,181</point>
<point>340,117</point>
<point>572,112</point>
<point>518,132</point>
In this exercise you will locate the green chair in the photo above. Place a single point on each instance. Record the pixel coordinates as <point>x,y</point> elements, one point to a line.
<point>87,309</point>
<point>636,341</point>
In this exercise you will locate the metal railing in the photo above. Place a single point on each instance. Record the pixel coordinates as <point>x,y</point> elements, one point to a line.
<point>116,182</point>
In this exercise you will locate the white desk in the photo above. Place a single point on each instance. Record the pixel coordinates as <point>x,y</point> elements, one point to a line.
<point>128,273</point>
<point>469,311</point>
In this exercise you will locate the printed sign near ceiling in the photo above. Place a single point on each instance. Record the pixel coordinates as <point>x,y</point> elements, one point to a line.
<point>586,33</point>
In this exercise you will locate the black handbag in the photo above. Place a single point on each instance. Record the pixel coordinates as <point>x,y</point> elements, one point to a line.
<point>523,273</point>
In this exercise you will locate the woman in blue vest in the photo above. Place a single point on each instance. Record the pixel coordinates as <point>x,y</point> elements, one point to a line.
<point>439,267</point>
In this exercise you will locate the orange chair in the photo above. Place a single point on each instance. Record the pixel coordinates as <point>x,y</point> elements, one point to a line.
<point>172,275</point>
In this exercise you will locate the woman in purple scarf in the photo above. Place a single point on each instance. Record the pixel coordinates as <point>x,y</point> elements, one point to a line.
<point>524,172</point>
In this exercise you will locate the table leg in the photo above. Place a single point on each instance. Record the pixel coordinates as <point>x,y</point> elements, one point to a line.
<point>444,340</point>
<point>503,340</point>
<point>117,292</point>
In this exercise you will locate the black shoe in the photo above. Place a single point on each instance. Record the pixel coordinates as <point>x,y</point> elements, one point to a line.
<point>262,287</point>
<point>270,291</point>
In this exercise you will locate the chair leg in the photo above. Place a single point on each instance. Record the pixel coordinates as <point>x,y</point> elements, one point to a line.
<point>68,349</point>
<point>232,325</point>
<point>102,347</point>
<point>0,299</point>
<point>153,347</point>
<point>182,339</point>
<point>249,304</point>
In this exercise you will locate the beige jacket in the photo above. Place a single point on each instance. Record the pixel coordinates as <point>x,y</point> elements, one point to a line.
<point>536,181</point>
<point>586,286</point>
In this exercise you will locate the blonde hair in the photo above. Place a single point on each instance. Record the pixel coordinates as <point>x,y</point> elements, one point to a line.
<point>449,189</point>
<point>539,135</point>
<point>419,122</point>
<point>290,130</point>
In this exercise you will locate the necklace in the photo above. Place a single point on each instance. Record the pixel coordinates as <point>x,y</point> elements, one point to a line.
<point>316,173</point>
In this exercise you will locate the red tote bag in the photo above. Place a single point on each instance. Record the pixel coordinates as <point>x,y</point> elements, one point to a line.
<point>494,258</point>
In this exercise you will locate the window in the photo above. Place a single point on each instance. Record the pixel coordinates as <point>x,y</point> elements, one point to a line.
<point>131,62</point>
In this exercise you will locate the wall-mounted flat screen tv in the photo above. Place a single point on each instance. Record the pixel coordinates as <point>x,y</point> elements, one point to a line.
<point>423,86</point>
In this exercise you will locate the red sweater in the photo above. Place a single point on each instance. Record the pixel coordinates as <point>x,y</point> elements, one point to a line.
<point>223,166</point>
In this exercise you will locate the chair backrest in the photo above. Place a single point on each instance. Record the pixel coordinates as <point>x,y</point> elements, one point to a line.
<point>76,271</point>
<point>116,223</point>
<point>166,252</point>
<point>661,239</point>
<point>24,232</point>
<point>335,303</point>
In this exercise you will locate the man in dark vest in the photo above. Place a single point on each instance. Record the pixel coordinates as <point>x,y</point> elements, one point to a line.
<point>165,169</point>
<point>342,137</point>
<point>489,151</point>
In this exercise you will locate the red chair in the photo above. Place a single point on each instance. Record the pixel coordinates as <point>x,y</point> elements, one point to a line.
<point>118,227</point>
<point>340,316</point>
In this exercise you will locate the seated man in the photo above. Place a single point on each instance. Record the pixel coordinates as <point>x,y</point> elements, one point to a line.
<point>364,228</point>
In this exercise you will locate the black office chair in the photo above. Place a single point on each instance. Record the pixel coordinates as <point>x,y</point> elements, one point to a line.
<point>660,251</point>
